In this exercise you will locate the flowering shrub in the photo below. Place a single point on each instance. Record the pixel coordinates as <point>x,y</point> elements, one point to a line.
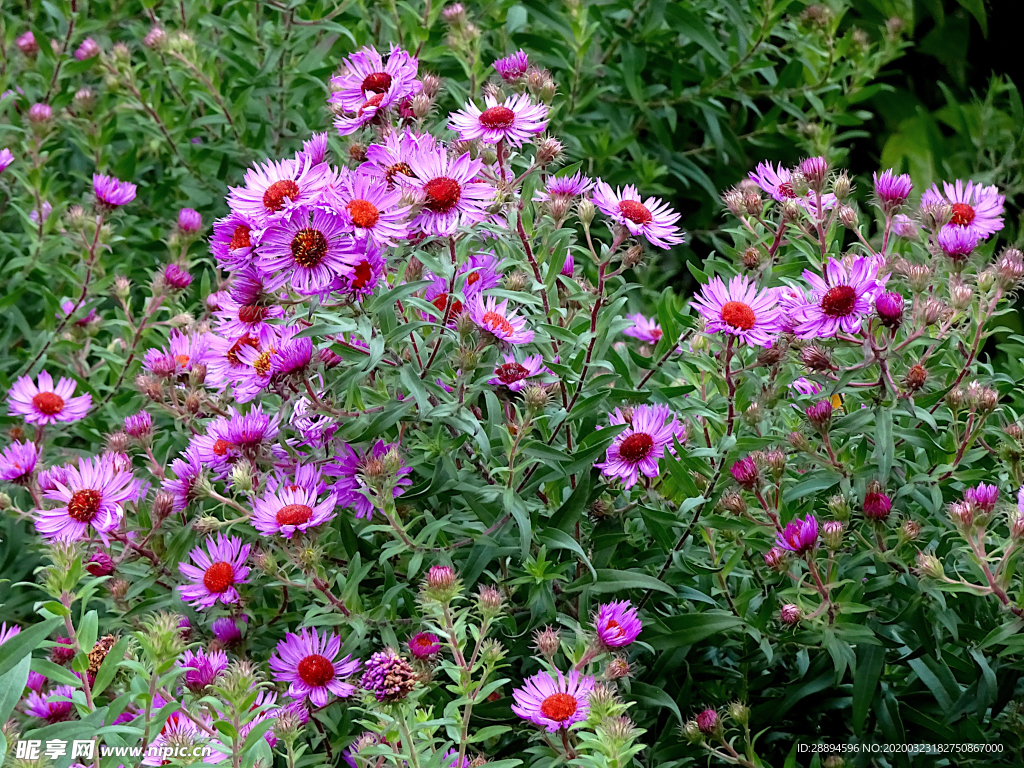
<point>401,481</point>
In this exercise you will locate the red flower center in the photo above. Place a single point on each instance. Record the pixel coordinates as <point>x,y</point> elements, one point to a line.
<point>636,447</point>
<point>377,82</point>
<point>362,275</point>
<point>472,278</point>
<point>441,302</point>
<point>634,211</point>
<point>219,577</point>
<point>559,707</point>
<point>613,627</point>
<point>443,194</point>
<point>494,322</point>
<point>181,360</point>
<point>498,117</point>
<point>220,448</point>
<point>84,505</point>
<point>315,670</point>
<point>364,213</point>
<point>963,214</point>
<point>738,315</point>
<point>48,402</point>
<point>373,101</point>
<point>240,237</point>
<point>252,313</point>
<point>273,198</point>
<point>294,514</point>
<point>786,190</point>
<point>396,169</point>
<point>309,246</point>
<point>839,301</point>
<point>510,373</point>
<point>245,341</point>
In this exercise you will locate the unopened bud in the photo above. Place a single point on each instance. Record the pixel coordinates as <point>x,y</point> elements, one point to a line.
<point>911,530</point>
<point>839,506</point>
<point>617,669</point>
<point>733,200</point>
<point>929,566</point>
<point>517,281</point>
<point>841,186</point>
<point>790,614</point>
<point>848,216</point>
<point>732,501</point>
<point>934,311</point>
<point>832,534</point>
<point>632,256</point>
<point>753,414</point>
<point>547,641</point>
<point>156,38</point>
<point>816,359</point>
<point>752,258</point>
<point>535,398</point>
<point>549,150</point>
<point>1010,269</point>
<point>586,211</point>
<point>799,441</point>
<point>960,294</point>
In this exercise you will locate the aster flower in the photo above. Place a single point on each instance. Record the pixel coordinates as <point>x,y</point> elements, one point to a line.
<point>314,148</point>
<point>307,662</point>
<point>877,506</point>
<point>651,218</point>
<point>739,310</point>
<point>564,187</point>
<point>189,221</point>
<point>6,158</point>
<point>53,707</point>
<point>643,329</point>
<point>226,630</point>
<point>424,645</point>
<point>367,272</point>
<point>236,319</point>
<point>799,536</point>
<point>515,375</point>
<point>182,355</point>
<point>513,67</point>
<point>515,121</point>
<point>27,44</point>
<point>778,182</point>
<point>365,75</point>
<point>494,318</point>
<point>388,676</point>
<point>69,307</point>
<point>617,624</point>
<point>217,571</point>
<point>982,497</point>
<point>176,278</point>
<point>180,732</point>
<point>350,488</point>
<point>958,243</point>
<point>228,437</point>
<point>390,160</point>
<point>90,495</point>
<point>6,633</point>
<point>47,404</point>
<point>87,49</point>
<point>636,450</point>
<point>976,208</point>
<point>233,239</point>
<point>804,386</point>
<point>275,189</point>
<point>482,272</point>
<point>225,366</point>
<point>18,461</point>
<point>308,249</point>
<point>904,226</point>
<point>202,668</point>
<point>554,703</point>
<point>100,564</point>
<point>370,209</point>
<point>290,509</point>
<point>839,301</point>
<point>112,193</point>
<point>186,469</point>
<point>892,190</point>
<point>451,193</point>
<point>314,427</point>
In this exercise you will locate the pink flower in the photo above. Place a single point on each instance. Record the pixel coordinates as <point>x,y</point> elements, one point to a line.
<point>47,404</point>
<point>495,319</point>
<point>554,704</point>
<point>515,121</point>
<point>290,509</point>
<point>424,645</point>
<point>307,662</point>
<point>366,75</point>
<point>274,189</point>
<point>892,190</point>
<point>643,329</point>
<point>112,193</point>
<point>740,310</point>
<point>217,571</point>
<point>976,209</point>
<point>91,496</point>
<point>370,210</point>
<point>652,218</point>
<point>778,182</point>
<point>87,49</point>
<point>617,624</point>
<point>516,375</point>
<point>18,461</point>
<point>636,450</point>
<point>799,536</point>
<point>451,193</point>
<point>510,68</point>
<point>308,249</point>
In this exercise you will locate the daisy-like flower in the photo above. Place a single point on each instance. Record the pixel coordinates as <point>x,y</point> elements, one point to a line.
<point>180,732</point>
<point>236,319</point>
<point>366,75</point>
<point>513,67</point>
<point>839,301</point>
<point>515,375</point>
<point>482,273</point>
<point>224,365</point>
<point>564,187</point>
<point>799,536</point>
<point>390,161</point>
<point>892,190</point>
<point>202,668</point>
<point>53,707</point>
<point>309,249</point>
<point>371,210</point>
<point>183,353</point>
<point>315,428</point>
<point>18,461</point>
<point>249,435</point>
<point>643,329</point>
<point>554,703</point>
<point>637,449</point>
<point>424,645</point>
<point>46,403</point>
<point>276,188</point>
<point>314,148</point>
<point>958,243</point>
<point>366,273</point>
<point>976,208</point>
<point>651,218</point>
<point>290,509</point>
<point>233,239</point>
<point>308,663</point>
<point>452,196</point>
<point>515,121</point>
<point>778,182</point>
<point>494,318</point>
<point>90,496</point>
<point>739,310</point>
<point>347,467</point>
<point>112,193</point>
<point>217,571</point>
<point>617,624</point>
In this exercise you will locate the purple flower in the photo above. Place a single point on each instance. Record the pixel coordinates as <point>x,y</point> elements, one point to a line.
<point>568,265</point>
<point>366,76</point>
<point>186,469</point>
<point>27,44</point>
<point>291,509</point>
<point>176,278</point>
<point>739,310</point>
<point>388,676</point>
<point>100,564</point>
<point>40,113</point>
<point>745,472</point>
<point>805,387</point>
<point>800,536</point>
<point>6,633</point>
<point>371,210</point>
<point>790,614</point>
<point>226,630</point>
<point>87,49</point>
<point>390,161</point>
<point>202,668</point>
<point>35,681</point>
<point>110,192</point>
<point>778,182</point>
<point>877,506</point>
<point>707,721</point>
<point>349,487</point>
<point>139,425</point>
<point>217,571</point>
<point>182,355</point>
<point>889,307</point>
<point>837,302</point>
<point>636,450</point>
<point>815,172</point>
<point>982,497</point>
<point>554,704</point>
<point>308,249</point>
<point>233,239</point>
<point>53,707</point>
<point>617,624</point>
<point>46,209</point>
<point>652,218</point>
<point>18,461</point>
<point>511,68</point>
<point>565,187</point>
<point>315,148</point>
<point>189,221</point>
<point>515,121</point>
<point>424,645</point>
<point>516,375</point>
<point>274,190</point>
<point>235,435</point>
<point>495,319</point>
<point>892,190</point>
<point>452,194</point>
<point>90,496</point>
<point>643,329</point>
<point>976,209</point>
<point>306,662</point>
<point>958,243</point>
<point>366,274</point>
<point>904,226</point>
<point>820,414</point>
<point>6,158</point>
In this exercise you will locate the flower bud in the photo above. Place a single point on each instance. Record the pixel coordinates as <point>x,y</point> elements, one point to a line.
<point>745,473</point>
<point>961,514</point>
<point>549,150</point>
<point>100,564</point>
<point>739,713</point>
<point>790,211</point>
<point>799,441</point>
<point>40,114</point>
<point>547,641</point>
<point>911,530</point>
<point>839,507</point>
<point>517,281</point>
<point>752,258</point>
<point>535,398</point>
<point>753,414</point>
<point>586,211</point>
<point>632,256</point>
<point>27,44</point>
<point>753,204</point>
<point>956,399</point>
<point>708,722</point>
<point>848,217</point>
<point>777,559</point>
<point>441,584</point>
<point>118,588</point>
<point>732,501</point>
<point>841,186</point>
<point>617,669</point>
<point>117,442</point>
<point>816,359</point>
<point>877,505</point>
<point>692,732</point>
<point>820,415</point>
<point>489,601</point>
<point>889,307</point>
<point>1017,526</point>
<point>733,200</point>
<point>832,534</point>
<point>934,311</point>
<point>790,614</point>
<point>815,172</point>
<point>929,566</point>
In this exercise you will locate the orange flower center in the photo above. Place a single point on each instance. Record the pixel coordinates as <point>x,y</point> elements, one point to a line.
<point>240,237</point>
<point>273,198</point>
<point>220,448</point>
<point>309,246</point>
<point>245,341</point>
<point>839,301</point>
<point>738,315</point>
<point>510,373</point>
<point>396,169</point>
<point>494,322</point>
<point>252,313</point>
<point>636,447</point>
<point>84,505</point>
<point>364,213</point>
<point>262,363</point>
<point>498,117</point>
<point>443,194</point>
<point>963,214</point>
<point>362,275</point>
<point>634,211</point>
<point>48,402</point>
<point>377,82</point>
<point>294,514</point>
<point>441,302</point>
<point>219,577</point>
<point>315,670</point>
<point>559,707</point>
<point>181,360</point>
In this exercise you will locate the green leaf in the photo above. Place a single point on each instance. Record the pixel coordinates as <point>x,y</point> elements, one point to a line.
<point>12,684</point>
<point>870,662</point>
<point>654,697</point>
<point>608,580</point>
<point>691,628</point>
<point>23,643</point>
